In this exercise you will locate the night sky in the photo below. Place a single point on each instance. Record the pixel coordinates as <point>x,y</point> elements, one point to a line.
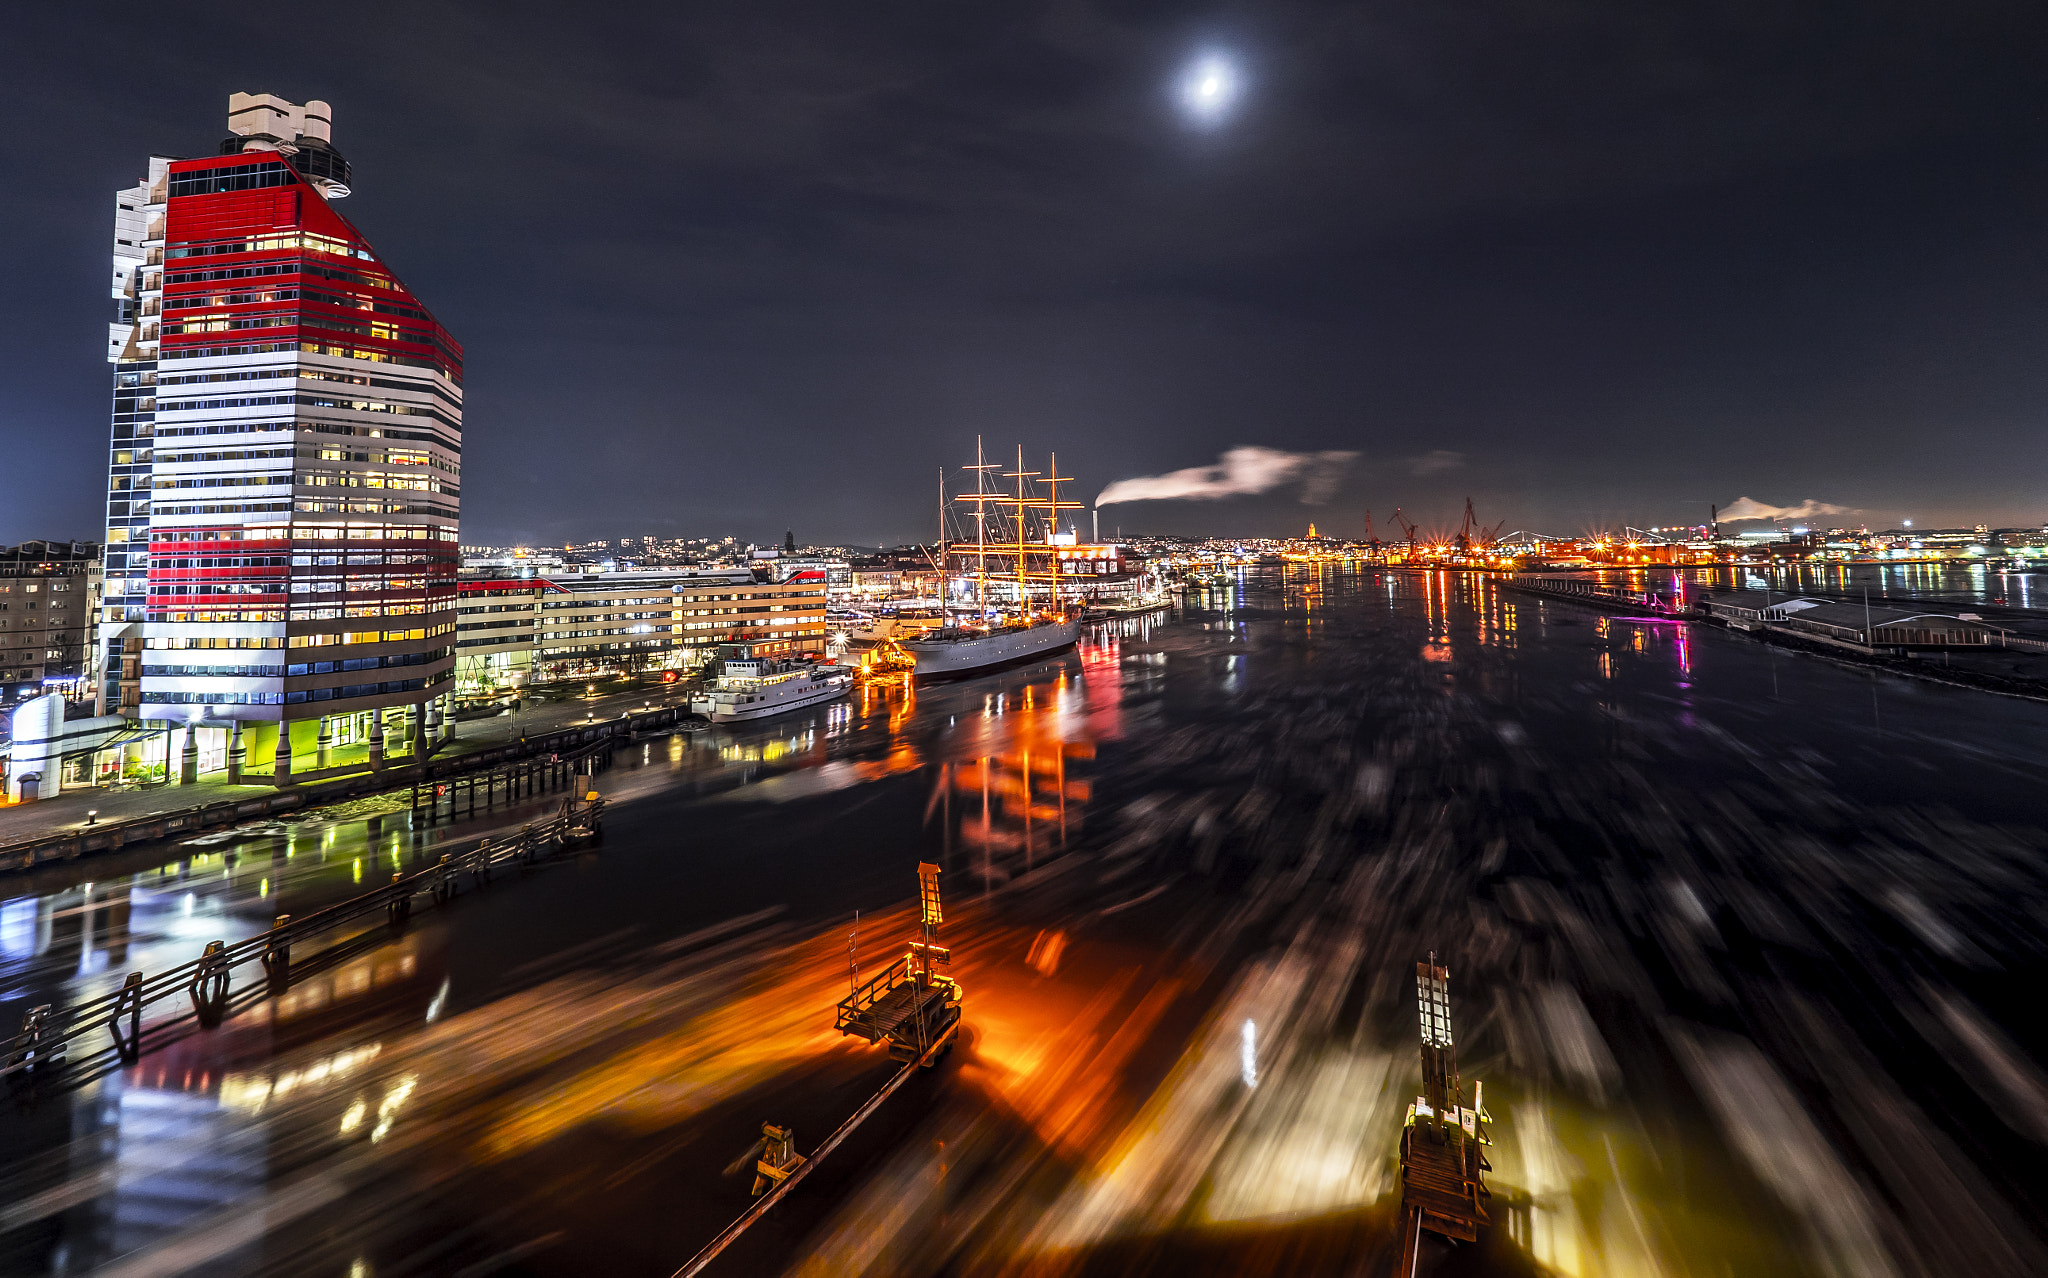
<point>762,266</point>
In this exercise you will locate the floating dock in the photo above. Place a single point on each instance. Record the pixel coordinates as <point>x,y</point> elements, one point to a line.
<point>910,1005</point>
<point>1443,1185</point>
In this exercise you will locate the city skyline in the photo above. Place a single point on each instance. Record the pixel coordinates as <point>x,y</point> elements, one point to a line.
<point>1584,298</point>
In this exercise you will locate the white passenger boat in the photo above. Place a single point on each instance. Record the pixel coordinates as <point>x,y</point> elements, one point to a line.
<point>750,686</point>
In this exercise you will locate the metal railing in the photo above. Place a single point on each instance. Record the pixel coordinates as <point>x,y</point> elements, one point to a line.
<point>1567,588</point>
<point>857,1008</point>
<point>47,1034</point>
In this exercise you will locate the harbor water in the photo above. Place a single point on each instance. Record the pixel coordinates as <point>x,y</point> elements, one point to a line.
<point>1744,946</point>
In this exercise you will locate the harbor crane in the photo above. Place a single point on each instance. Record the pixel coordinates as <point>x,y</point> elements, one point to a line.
<point>1471,536</point>
<point>1407,527</point>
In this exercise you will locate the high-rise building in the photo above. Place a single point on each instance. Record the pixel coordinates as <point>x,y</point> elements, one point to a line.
<point>284,478</point>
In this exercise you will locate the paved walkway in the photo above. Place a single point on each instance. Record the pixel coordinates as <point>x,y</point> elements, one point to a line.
<point>73,808</point>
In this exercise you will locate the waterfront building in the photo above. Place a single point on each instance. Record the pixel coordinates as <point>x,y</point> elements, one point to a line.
<point>833,572</point>
<point>636,622</point>
<point>496,621</point>
<point>49,599</point>
<point>283,493</point>
<point>905,572</point>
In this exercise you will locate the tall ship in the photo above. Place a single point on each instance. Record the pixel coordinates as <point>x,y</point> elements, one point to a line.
<point>1010,610</point>
<point>753,686</point>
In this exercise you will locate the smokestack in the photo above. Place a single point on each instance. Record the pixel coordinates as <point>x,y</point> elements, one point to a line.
<point>1095,525</point>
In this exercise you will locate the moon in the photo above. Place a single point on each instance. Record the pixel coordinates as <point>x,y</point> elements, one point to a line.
<point>1209,88</point>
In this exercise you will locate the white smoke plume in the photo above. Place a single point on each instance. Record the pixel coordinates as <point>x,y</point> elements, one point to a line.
<point>1240,472</point>
<point>1745,509</point>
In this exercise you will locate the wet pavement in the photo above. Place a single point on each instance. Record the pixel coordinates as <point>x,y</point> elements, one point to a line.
<point>1744,945</point>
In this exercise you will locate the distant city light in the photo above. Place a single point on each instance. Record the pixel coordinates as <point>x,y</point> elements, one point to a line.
<point>1209,88</point>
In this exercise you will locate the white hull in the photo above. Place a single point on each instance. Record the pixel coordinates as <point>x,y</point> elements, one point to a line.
<point>736,707</point>
<point>948,658</point>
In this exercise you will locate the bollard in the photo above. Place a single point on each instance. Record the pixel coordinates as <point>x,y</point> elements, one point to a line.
<point>33,1047</point>
<point>444,879</point>
<point>277,953</point>
<point>400,908</point>
<point>128,1002</point>
<point>209,985</point>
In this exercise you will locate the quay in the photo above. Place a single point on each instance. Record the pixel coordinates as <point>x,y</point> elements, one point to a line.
<point>506,759</point>
<point>1918,644</point>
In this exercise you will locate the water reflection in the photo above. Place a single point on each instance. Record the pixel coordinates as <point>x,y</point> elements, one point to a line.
<point>1738,971</point>
<point>1006,809</point>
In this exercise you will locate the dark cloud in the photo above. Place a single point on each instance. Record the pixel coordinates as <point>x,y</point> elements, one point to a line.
<point>1435,462</point>
<point>749,267</point>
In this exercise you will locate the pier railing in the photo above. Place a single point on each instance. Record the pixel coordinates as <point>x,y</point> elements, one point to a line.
<point>856,1010</point>
<point>1596,592</point>
<point>47,1033</point>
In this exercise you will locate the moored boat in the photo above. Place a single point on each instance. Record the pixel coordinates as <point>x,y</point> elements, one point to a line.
<point>752,686</point>
<point>958,651</point>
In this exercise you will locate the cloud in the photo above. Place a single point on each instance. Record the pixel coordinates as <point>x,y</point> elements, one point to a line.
<point>1744,509</point>
<point>1241,472</point>
<point>1435,462</point>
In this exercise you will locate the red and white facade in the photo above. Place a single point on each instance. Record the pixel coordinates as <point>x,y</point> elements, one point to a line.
<point>285,474</point>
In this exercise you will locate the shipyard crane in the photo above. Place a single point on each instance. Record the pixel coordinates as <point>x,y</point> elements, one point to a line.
<point>1463,543</point>
<point>1407,526</point>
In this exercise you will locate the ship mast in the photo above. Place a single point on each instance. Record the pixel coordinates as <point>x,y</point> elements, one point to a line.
<point>981,497</point>
<point>1055,506</point>
<point>1023,500</point>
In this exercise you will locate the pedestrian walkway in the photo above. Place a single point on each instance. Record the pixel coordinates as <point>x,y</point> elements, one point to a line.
<point>74,808</point>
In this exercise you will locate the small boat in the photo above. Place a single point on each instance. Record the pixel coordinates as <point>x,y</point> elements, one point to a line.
<point>754,686</point>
